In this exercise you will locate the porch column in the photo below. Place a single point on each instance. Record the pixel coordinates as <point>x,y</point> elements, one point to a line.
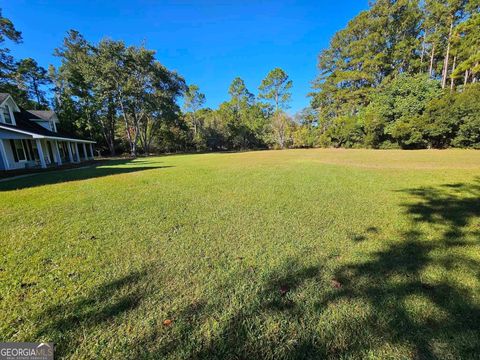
<point>40,153</point>
<point>50,160</point>
<point>85,151</point>
<point>91,151</point>
<point>3,154</point>
<point>57,153</point>
<point>77,153</point>
<point>70,156</point>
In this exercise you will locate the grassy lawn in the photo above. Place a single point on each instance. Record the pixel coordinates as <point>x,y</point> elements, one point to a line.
<point>269,255</point>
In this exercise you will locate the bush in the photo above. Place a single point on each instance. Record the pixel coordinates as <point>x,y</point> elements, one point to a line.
<point>395,109</point>
<point>344,131</point>
<point>408,132</point>
<point>388,145</point>
<point>467,112</point>
<point>454,119</point>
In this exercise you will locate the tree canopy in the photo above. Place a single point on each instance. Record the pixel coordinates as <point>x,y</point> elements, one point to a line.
<point>276,88</point>
<point>401,74</point>
<point>390,63</point>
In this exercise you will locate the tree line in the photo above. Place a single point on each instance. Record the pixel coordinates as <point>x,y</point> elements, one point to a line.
<point>402,74</point>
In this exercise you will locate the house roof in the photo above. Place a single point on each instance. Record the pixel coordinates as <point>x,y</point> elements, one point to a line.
<point>24,125</point>
<point>3,97</point>
<point>42,114</point>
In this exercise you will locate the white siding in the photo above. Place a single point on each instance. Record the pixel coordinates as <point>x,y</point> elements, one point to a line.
<point>11,159</point>
<point>12,107</point>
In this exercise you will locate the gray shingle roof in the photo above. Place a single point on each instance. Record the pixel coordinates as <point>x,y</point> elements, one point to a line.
<point>23,123</point>
<point>3,96</point>
<point>42,114</point>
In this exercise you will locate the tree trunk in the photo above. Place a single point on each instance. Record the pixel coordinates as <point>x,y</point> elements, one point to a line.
<point>423,48</point>
<point>134,144</point>
<point>432,55</point>
<point>145,136</point>
<point>146,148</point>
<point>194,124</point>
<point>109,136</point>
<point>452,81</point>
<point>445,63</point>
<point>127,130</point>
<point>111,147</point>
<point>37,94</point>
<point>466,78</point>
<point>148,141</point>
<point>133,150</point>
<point>111,126</point>
<point>136,122</point>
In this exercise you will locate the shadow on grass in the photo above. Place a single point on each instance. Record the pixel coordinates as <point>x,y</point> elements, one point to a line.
<point>100,169</point>
<point>435,315</point>
<point>67,324</point>
<point>236,337</point>
<point>415,298</point>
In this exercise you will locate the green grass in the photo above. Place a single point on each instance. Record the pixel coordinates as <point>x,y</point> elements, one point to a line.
<point>268,255</point>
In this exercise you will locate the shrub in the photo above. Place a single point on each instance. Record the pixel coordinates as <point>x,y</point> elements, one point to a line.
<point>394,111</point>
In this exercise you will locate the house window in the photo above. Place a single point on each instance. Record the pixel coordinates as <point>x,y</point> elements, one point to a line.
<point>6,115</point>
<point>19,150</point>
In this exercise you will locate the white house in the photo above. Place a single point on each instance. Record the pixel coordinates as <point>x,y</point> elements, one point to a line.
<point>31,139</point>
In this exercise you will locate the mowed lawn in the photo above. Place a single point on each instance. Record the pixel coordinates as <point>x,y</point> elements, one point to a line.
<point>256,255</point>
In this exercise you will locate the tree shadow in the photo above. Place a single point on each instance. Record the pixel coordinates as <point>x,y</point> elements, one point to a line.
<point>100,169</point>
<point>365,235</point>
<point>414,298</point>
<point>276,297</point>
<point>66,324</point>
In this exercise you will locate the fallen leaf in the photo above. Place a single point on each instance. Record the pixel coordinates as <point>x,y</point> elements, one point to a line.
<point>283,290</point>
<point>336,284</point>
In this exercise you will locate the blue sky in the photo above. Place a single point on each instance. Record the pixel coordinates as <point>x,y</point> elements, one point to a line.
<point>207,42</point>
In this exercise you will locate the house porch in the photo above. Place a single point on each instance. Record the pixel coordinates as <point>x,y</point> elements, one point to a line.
<point>23,152</point>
